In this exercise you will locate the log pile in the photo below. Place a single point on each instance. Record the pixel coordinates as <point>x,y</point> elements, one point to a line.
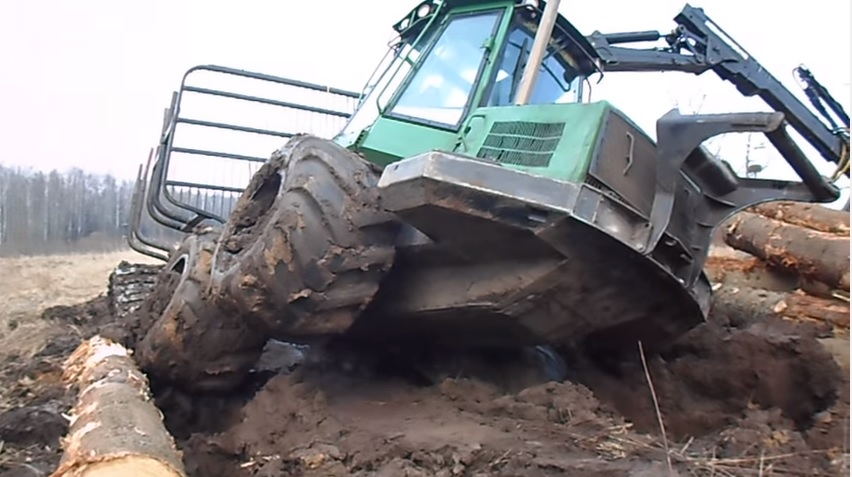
<point>789,260</point>
<point>115,430</point>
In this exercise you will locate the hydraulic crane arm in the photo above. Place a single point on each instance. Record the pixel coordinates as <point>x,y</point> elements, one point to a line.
<point>818,94</point>
<point>697,45</point>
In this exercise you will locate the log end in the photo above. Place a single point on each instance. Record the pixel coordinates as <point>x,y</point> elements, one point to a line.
<point>115,429</point>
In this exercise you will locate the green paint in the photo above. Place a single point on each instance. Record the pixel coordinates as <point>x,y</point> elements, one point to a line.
<point>382,133</point>
<point>430,105</point>
<point>573,149</point>
<point>390,140</point>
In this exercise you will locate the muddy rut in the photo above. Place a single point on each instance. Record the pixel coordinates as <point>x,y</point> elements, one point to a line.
<point>735,400</point>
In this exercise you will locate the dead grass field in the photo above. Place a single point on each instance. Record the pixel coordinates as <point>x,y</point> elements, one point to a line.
<point>29,285</point>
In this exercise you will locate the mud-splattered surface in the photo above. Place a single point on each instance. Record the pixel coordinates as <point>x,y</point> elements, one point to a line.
<point>728,398</point>
<point>33,419</point>
<point>33,400</point>
<point>767,398</point>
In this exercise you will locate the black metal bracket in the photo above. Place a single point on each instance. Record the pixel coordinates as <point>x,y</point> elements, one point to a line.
<point>161,211</point>
<point>680,152</point>
<point>173,211</point>
<point>697,45</point>
<point>168,215</point>
<point>135,238</point>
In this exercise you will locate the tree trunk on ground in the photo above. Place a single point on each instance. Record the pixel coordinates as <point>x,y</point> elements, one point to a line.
<point>115,430</point>
<point>742,306</point>
<point>749,272</point>
<point>812,216</point>
<point>809,253</point>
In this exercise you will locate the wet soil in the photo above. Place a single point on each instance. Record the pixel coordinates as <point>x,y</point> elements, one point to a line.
<point>32,422</point>
<point>764,398</point>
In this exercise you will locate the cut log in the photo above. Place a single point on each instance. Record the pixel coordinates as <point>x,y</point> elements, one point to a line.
<point>116,430</point>
<point>748,271</point>
<point>812,216</point>
<point>743,306</point>
<point>811,254</point>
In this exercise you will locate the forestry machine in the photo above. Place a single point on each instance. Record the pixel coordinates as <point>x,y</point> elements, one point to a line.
<point>472,196</point>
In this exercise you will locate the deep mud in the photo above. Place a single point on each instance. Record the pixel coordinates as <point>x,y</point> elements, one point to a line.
<point>763,399</point>
<point>33,423</point>
<point>727,398</point>
<point>33,419</point>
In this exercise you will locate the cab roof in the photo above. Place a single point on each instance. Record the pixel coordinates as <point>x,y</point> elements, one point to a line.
<point>565,34</point>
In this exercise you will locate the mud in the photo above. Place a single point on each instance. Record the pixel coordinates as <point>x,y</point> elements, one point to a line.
<point>712,377</point>
<point>305,268</point>
<point>32,421</point>
<point>729,398</point>
<point>763,396</point>
<point>330,423</point>
<point>132,330</point>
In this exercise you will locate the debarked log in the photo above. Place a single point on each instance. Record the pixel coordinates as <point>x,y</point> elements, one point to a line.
<point>115,430</point>
<point>743,306</point>
<point>749,271</point>
<point>811,254</point>
<point>808,215</point>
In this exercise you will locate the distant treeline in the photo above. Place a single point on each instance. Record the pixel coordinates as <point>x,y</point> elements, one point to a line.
<point>75,211</point>
<point>58,212</point>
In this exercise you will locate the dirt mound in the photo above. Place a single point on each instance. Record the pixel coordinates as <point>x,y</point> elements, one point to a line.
<point>710,378</point>
<point>335,424</point>
<point>730,399</point>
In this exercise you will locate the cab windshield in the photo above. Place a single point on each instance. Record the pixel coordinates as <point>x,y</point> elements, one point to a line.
<point>558,81</point>
<point>442,87</point>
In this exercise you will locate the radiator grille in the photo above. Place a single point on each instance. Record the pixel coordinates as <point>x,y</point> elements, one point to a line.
<point>522,143</point>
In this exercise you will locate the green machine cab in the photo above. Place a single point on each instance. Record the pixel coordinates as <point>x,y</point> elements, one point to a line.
<point>455,72</point>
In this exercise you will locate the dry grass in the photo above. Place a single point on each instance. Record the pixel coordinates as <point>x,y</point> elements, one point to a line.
<point>621,441</point>
<point>29,285</point>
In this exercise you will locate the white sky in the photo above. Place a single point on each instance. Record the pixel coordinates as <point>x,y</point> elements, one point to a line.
<point>84,83</point>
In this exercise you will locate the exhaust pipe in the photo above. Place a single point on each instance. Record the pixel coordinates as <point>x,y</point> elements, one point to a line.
<point>539,48</point>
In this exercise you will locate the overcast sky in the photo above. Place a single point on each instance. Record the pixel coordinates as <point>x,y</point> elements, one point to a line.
<point>84,83</point>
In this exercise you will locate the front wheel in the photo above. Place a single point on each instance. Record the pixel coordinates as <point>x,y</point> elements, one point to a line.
<point>307,245</point>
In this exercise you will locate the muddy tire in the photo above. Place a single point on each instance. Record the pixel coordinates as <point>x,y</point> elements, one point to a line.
<point>129,286</point>
<point>307,245</point>
<point>191,343</point>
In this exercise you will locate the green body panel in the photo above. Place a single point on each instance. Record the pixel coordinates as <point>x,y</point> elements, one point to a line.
<point>390,140</point>
<point>551,140</point>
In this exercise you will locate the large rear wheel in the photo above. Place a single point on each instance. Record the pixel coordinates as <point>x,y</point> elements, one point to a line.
<point>307,245</point>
